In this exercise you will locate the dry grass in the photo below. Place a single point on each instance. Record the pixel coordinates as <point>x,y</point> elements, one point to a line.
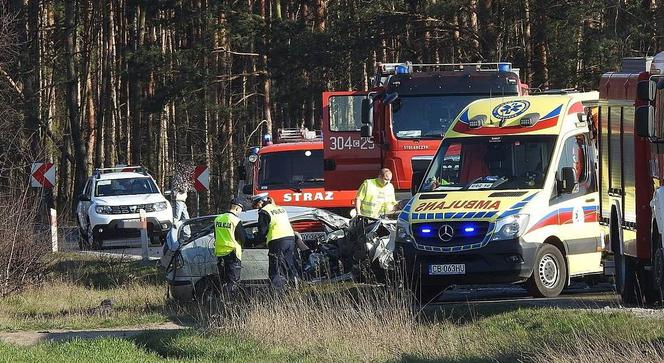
<point>380,325</point>
<point>584,350</point>
<point>61,304</point>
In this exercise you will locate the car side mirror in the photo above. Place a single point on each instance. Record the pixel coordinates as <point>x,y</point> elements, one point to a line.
<point>366,130</point>
<point>367,111</point>
<point>568,180</point>
<point>644,120</point>
<point>84,198</point>
<point>248,189</point>
<point>415,181</point>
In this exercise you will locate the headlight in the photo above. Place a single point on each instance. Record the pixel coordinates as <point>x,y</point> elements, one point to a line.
<point>403,234</point>
<point>510,227</point>
<point>160,206</point>
<point>103,209</point>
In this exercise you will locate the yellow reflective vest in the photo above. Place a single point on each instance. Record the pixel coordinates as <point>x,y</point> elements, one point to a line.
<point>375,199</point>
<point>280,226</point>
<point>224,235</point>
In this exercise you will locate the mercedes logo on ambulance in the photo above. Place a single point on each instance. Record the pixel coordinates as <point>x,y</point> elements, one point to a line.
<point>446,233</point>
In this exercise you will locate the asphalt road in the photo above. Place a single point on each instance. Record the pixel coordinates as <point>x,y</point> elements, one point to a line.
<point>578,295</point>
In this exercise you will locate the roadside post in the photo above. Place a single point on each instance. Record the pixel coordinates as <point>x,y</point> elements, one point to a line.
<point>54,230</point>
<point>144,234</point>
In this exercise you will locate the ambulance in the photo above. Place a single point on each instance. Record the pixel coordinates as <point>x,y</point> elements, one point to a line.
<point>510,196</point>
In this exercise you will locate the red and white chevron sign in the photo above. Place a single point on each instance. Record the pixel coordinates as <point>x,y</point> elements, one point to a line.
<point>201,178</point>
<point>42,175</point>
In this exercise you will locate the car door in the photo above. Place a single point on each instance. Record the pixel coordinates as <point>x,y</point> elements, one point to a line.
<point>254,259</point>
<point>577,211</point>
<point>84,205</point>
<point>348,157</point>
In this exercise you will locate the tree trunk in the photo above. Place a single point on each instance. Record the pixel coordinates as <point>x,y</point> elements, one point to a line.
<point>80,152</point>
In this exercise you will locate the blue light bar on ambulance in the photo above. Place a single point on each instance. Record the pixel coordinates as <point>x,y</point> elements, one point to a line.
<point>469,229</point>
<point>477,121</point>
<point>530,119</point>
<point>504,67</point>
<point>401,69</point>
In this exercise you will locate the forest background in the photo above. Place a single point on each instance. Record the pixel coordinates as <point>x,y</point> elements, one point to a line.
<point>161,83</point>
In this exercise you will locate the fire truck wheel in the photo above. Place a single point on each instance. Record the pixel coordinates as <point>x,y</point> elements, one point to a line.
<point>550,273</point>
<point>659,273</point>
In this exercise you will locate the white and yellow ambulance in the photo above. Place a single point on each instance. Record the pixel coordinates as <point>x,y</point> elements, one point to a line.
<point>510,196</point>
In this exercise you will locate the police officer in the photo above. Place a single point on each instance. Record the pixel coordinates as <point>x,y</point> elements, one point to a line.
<point>275,230</point>
<point>376,196</point>
<point>229,237</point>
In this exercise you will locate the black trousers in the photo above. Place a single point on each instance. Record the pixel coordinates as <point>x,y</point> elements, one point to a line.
<point>229,268</point>
<point>281,256</point>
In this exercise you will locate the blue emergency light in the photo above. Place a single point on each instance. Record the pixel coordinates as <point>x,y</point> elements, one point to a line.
<point>426,231</point>
<point>469,229</point>
<point>401,69</point>
<point>504,67</point>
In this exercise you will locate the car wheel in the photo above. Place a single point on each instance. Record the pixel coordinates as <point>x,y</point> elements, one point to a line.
<point>206,293</point>
<point>549,273</point>
<point>82,239</point>
<point>93,243</point>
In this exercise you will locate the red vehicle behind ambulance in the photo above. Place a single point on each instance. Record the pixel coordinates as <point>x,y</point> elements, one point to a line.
<point>291,171</point>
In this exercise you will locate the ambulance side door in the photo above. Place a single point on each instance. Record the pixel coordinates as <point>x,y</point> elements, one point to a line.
<point>348,157</point>
<point>577,209</point>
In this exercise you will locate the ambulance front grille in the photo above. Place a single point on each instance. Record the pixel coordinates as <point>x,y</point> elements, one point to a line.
<point>465,233</point>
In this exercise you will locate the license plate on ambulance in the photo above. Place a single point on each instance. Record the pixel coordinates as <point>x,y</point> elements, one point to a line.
<point>448,269</point>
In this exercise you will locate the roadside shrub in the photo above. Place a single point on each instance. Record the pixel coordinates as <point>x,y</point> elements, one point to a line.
<point>23,241</point>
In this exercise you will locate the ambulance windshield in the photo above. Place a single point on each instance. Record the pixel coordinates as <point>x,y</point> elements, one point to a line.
<point>291,169</point>
<point>490,163</point>
<point>427,117</point>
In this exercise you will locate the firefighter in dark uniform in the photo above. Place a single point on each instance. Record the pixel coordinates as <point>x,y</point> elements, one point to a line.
<point>229,237</point>
<point>275,230</point>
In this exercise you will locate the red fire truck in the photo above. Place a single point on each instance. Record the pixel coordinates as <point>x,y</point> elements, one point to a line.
<point>291,171</point>
<point>631,169</point>
<point>399,124</point>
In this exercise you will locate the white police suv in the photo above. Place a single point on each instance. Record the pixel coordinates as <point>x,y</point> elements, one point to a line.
<point>108,210</point>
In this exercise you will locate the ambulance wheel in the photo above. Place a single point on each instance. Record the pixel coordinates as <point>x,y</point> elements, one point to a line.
<point>549,273</point>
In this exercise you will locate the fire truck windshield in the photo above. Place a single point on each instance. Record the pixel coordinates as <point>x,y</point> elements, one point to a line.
<point>291,169</point>
<point>490,163</point>
<point>427,117</point>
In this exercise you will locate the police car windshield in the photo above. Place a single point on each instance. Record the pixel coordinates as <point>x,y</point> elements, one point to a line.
<point>125,186</point>
<point>490,163</point>
<point>427,117</point>
<point>291,169</point>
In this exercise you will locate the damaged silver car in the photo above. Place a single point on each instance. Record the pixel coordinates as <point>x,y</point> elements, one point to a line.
<point>330,247</point>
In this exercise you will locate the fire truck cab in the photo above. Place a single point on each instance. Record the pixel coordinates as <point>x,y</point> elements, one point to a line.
<point>631,171</point>
<point>291,171</point>
<point>400,122</point>
<point>510,196</point>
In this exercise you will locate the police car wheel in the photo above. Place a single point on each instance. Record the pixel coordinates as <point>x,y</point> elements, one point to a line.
<point>549,273</point>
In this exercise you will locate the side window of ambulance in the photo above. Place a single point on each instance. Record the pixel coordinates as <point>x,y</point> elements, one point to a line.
<point>577,155</point>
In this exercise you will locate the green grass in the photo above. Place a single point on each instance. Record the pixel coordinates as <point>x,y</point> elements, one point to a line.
<point>529,335</point>
<point>73,289</point>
